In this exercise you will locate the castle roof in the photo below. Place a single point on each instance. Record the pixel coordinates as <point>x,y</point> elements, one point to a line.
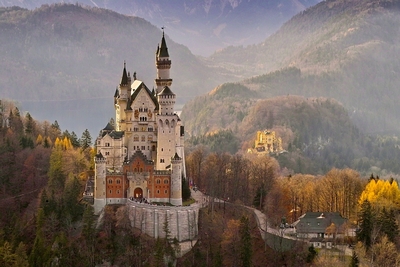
<point>99,156</point>
<point>139,154</point>
<point>162,51</point>
<point>136,87</point>
<point>124,79</point>
<point>116,134</point>
<point>166,91</point>
<point>108,127</point>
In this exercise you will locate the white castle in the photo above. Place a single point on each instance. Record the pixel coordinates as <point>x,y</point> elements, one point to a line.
<point>142,155</point>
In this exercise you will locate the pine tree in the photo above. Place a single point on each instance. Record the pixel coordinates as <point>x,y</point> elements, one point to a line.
<point>365,222</point>
<point>86,140</point>
<point>29,124</point>
<point>388,221</point>
<point>74,140</point>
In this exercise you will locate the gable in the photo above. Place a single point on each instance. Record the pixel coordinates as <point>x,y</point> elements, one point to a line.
<point>142,96</point>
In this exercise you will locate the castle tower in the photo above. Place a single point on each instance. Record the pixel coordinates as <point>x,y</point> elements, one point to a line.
<point>121,100</point>
<point>163,65</point>
<point>176,180</point>
<point>99,183</point>
<point>167,125</point>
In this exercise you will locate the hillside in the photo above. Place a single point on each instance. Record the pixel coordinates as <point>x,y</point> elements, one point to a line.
<point>66,59</point>
<point>203,25</point>
<point>347,50</point>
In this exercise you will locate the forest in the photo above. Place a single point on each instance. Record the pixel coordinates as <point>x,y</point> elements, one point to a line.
<point>46,222</point>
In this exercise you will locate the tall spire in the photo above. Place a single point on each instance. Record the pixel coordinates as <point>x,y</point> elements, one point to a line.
<point>124,79</point>
<point>163,50</point>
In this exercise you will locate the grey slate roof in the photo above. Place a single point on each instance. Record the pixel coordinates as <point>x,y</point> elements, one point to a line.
<point>124,79</point>
<point>162,51</point>
<point>317,222</point>
<point>108,127</point>
<point>99,156</point>
<point>166,91</point>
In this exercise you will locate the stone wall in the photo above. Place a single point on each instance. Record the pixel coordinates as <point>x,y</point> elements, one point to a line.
<point>182,222</point>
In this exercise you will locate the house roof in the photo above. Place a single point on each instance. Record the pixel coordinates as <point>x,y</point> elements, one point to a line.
<point>317,222</point>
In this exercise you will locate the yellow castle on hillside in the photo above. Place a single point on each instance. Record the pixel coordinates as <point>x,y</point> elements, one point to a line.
<point>267,141</point>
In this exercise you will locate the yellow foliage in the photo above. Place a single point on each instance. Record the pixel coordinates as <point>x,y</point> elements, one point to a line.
<point>381,193</point>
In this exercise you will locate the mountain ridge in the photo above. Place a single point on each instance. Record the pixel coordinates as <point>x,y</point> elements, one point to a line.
<point>203,26</point>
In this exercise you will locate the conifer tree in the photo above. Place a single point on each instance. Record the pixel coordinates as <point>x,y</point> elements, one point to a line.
<point>86,140</point>
<point>39,254</point>
<point>365,223</point>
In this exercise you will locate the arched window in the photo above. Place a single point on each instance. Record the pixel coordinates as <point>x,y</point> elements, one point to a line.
<point>158,181</point>
<point>118,181</point>
<point>143,138</point>
<point>166,181</point>
<point>136,138</point>
<point>110,181</point>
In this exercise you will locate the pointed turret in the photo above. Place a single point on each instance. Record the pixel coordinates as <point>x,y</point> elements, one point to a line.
<point>124,79</point>
<point>163,50</point>
<point>163,64</point>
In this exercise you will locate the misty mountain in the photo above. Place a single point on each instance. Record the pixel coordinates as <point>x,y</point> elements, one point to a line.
<point>202,25</point>
<point>346,50</point>
<point>63,62</point>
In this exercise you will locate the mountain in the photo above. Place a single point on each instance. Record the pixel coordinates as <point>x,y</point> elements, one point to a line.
<point>202,25</point>
<point>347,50</point>
<point>63,62</point>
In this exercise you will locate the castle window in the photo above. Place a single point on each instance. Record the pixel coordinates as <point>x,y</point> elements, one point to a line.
<point>117,191</point>
<point>136,138</point>
<point>166,181</point>
<point>150,129</point>
<point>150,138</point>
<point>107,153</point>
<point>158,181</point>
<point>143,147</point>
<point>143,138</point>
<point>110,191</point>
<point>166,191</point>
<point>135,129</point>
<point>158,191</point>
<point>107,144</point>
<point>118,181</point>
<point>110,181</point>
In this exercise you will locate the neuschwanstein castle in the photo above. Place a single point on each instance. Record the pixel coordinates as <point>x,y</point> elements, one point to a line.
<point>142,155</point>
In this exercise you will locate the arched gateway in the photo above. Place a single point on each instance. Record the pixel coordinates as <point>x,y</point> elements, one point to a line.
<point>138,193</point>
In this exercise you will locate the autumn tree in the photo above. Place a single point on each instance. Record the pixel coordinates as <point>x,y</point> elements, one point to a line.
<point>246,250</point>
